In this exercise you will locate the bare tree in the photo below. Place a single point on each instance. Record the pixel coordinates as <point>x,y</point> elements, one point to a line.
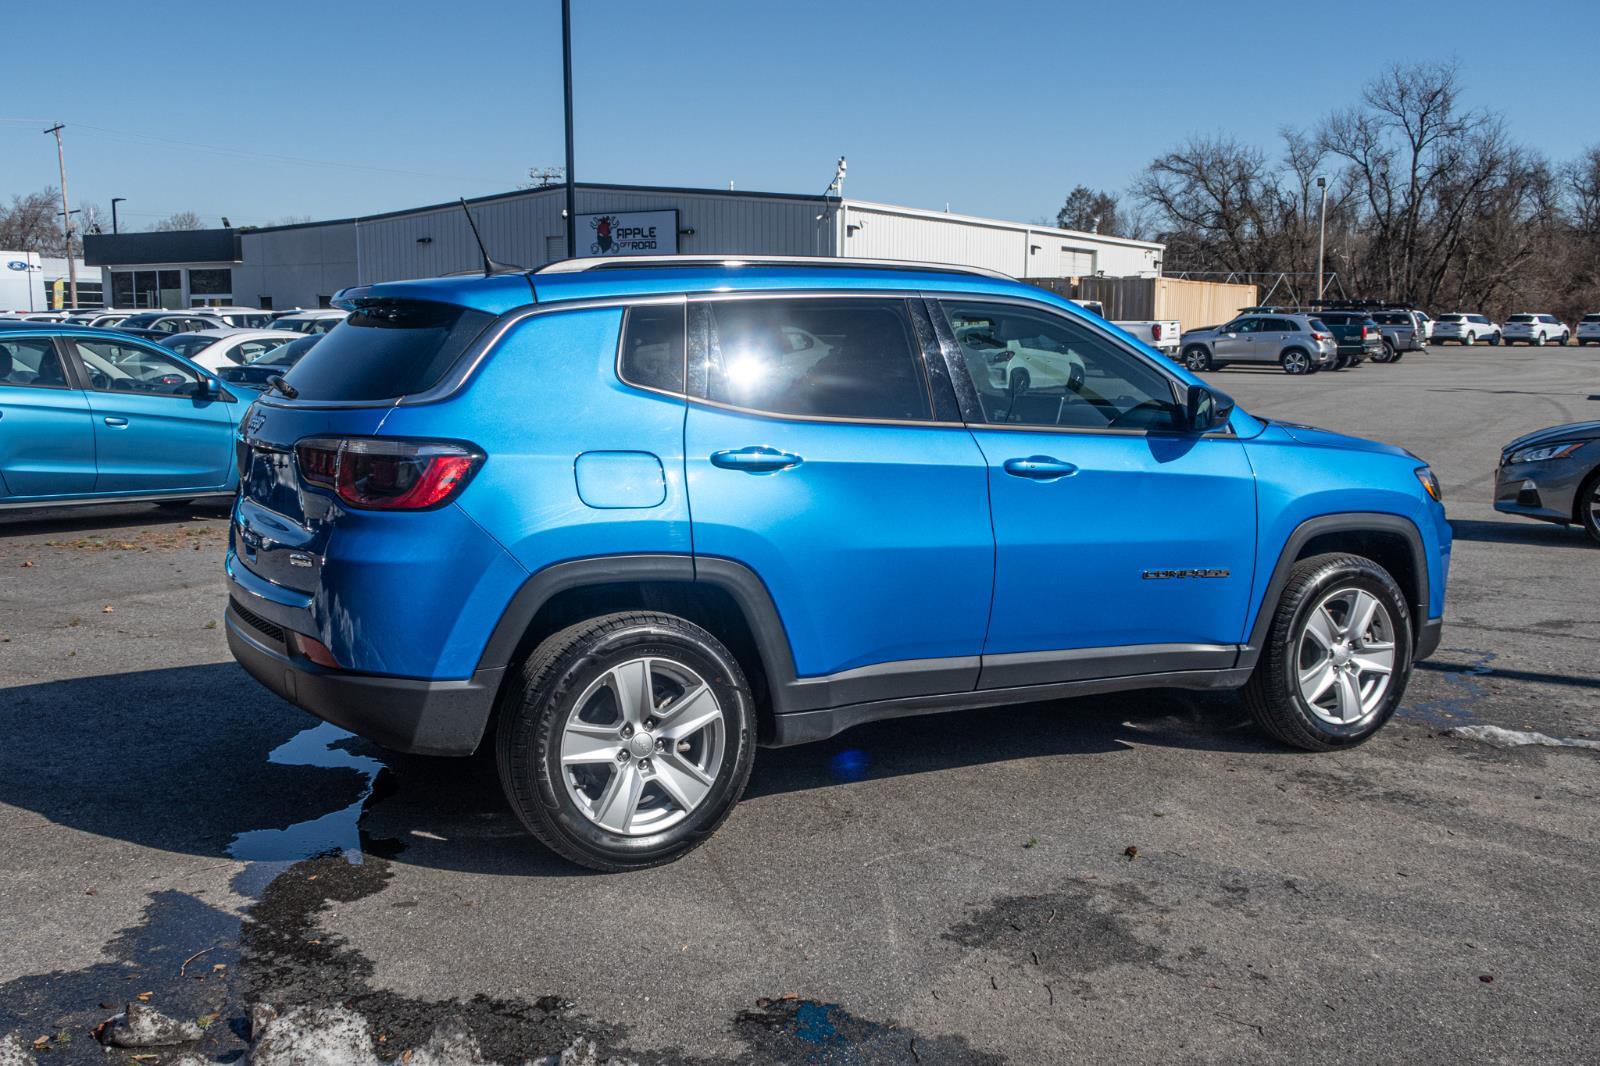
<point>181,220</point>
<point>33,223</point>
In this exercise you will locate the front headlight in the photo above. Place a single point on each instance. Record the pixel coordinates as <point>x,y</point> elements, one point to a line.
<point>1540,452</point>
<point>1430,483</point>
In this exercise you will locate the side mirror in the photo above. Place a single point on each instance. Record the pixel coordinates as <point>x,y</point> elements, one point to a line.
<point>1207,409</point>
<point>207,388</point>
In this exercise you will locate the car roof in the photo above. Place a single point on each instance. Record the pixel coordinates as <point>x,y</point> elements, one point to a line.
<point>65,328</point>
<point>228,331</point>
<point>618,278</point>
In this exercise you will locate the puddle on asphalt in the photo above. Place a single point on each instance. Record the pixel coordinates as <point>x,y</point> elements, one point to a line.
<point>1456,708</point>
<point>337,832</point>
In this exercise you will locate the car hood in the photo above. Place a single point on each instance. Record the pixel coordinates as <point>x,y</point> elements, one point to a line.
<point>1570,431</point>
<point>1326,438</point>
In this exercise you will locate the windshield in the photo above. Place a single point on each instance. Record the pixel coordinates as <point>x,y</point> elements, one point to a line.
<point>187,345</point>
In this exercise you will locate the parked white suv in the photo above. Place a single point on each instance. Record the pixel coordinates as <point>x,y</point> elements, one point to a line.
<point>1465,329</point>
<point>1589,330</point>
<point>1536,329</point>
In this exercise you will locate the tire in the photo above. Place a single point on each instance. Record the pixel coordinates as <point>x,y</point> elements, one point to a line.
<point>1196,359</point>
<point>1564,338</point>
<point>572,673</point>
<point>1472,339</point>
<point>1538,340</point>
<point>1495,341</point>
<point>1389,353</point>
<point>1397,357</point>
<point>1275,694</point>
<point>1588,507</point>
<point>1295,361</point>
<point>1340,361</point>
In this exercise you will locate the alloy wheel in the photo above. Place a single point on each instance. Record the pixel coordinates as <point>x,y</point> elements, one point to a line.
<point>1295,362</point>
<point>643,746</point>
<point>1346,656</point>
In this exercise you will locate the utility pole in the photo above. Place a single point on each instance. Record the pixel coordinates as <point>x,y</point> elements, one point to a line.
<point>1322,233</point>
<point>115,200</point>
<point>66,219</point>
<point>566,68</point>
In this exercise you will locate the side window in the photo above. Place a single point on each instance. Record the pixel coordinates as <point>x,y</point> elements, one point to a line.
<point>1279,325</point>
<point>837,358</point>
<point>1037,368</point>
<point>1246,325</point>
<point>250,351</point>
<point>31,361</point>
<point>652,348</point>
<point>114,367</point>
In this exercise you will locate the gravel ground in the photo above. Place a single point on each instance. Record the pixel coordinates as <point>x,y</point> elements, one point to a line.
<point>1141,877</point>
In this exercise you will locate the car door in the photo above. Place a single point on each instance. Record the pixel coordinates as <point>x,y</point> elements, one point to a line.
<point>1237,341</point>
<point>1272,338</point>
<point>153,432</point>
<point>1122,544</point>
<point>861,505</point>
<point>46,437</point>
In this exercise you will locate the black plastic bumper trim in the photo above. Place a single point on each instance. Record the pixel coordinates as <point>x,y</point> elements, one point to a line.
<point>418,717</point>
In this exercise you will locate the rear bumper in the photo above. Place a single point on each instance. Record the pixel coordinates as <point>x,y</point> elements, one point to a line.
<point>405,714</point>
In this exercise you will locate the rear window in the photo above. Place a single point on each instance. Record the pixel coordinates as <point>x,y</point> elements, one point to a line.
<point>1591,318</point>
<point>1452,318</point>
<point>389,349</point>
<point>1391,319</point>
<point>1520,318</point>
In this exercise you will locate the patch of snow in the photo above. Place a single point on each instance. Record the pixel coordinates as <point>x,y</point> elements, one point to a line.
<point>1516,738</point>
<point>315,1036</point>
<point>14,1051</point>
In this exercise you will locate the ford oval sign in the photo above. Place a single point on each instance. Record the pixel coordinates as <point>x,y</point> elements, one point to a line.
<point>17,264</point>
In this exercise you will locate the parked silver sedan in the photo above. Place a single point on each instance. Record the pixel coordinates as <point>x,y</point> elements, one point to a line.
<point>1553,475</point>
<point>1465,329</point>
<point>1537,330</point>
<point>1298,343</point>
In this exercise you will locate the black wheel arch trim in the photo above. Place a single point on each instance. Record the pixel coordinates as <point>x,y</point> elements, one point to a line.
<point>1349,522</point>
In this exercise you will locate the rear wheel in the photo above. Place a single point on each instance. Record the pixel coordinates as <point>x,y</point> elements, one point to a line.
<point>1337,655</point>
<point>1389,353</point>
<point>1472,338</point>
<point>1196,358</point>
<point>1295,361</point>
<point>627,740</point>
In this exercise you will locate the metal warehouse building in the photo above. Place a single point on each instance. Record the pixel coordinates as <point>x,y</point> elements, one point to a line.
<point>304,265</point>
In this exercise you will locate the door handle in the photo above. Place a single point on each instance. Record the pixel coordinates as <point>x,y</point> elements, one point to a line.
<point>1039,468</point>
<point>115,422</point>
<point>756,460</point>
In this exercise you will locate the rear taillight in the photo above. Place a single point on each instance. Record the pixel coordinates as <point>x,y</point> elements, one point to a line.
<point>1319,336</point>
<point>1155,331</point>
<point>388,475</point>
<point>1363,332</point>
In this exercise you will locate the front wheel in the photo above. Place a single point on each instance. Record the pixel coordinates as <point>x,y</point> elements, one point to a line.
<point>1564,339</point>
<point>1588,507</point>
<point>1295,361</point>
<point>627,740</point>
<point>1337,655</point>
<point>1494,341</point>
<point>1196,359</point>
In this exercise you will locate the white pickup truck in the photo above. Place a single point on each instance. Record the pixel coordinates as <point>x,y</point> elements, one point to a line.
<point>1161,335</point>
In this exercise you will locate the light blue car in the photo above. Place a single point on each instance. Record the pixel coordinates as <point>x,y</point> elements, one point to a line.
<point>95,416</point>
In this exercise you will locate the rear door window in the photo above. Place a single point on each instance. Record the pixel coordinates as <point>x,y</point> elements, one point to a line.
<point>31,361</point>
<point>389,349</point>
<point>830,358</point>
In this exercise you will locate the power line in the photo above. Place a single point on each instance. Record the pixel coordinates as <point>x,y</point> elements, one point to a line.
<point>155,140</point>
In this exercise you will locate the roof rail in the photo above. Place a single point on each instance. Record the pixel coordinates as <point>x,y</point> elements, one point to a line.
<point>626,262</point>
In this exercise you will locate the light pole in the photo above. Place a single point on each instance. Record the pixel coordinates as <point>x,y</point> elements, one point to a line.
<point>1322,233</point>
<point>566,69</point>
<point>66,217</point>
<point>115,200</point>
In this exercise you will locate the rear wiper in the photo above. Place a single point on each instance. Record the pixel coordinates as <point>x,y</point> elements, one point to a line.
<point>276,382</point>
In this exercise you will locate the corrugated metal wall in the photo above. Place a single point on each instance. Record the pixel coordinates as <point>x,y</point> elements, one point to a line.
<point>527,229</point>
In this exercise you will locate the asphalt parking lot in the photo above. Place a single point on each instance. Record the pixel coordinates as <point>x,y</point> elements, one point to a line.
<point>1142,878</point>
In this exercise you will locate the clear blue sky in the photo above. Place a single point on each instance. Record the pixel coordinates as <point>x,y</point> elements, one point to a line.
<point>996,108</point>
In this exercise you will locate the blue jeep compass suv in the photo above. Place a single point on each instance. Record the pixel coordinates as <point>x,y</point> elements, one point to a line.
<point>626,519</point>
